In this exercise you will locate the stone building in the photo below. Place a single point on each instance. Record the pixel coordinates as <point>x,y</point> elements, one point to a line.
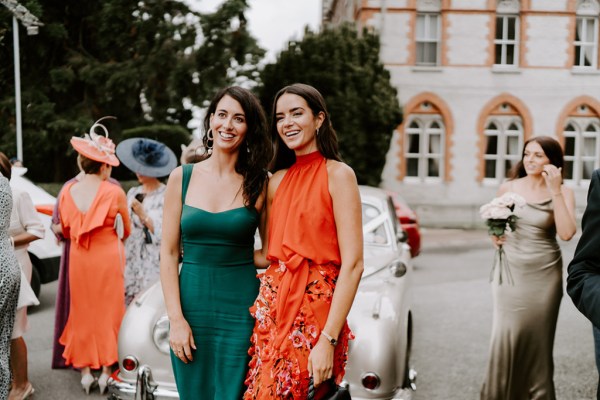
<point>476,78</point>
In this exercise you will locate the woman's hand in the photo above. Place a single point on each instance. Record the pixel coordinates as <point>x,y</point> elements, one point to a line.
<point>181,340</point>
<point>320,361</point>
<point>498,241</point>
<point>137,208</point>
<point>553,178</point>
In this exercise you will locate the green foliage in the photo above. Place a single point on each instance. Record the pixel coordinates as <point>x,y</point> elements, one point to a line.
<point>345,67</point>
<point>135,60</point>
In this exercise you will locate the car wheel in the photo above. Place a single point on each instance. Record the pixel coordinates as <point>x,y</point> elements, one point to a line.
<point>36,284</point>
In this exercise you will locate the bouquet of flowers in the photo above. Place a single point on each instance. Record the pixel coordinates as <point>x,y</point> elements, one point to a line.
<point>500,218</point>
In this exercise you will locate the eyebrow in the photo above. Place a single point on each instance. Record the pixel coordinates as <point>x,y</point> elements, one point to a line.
<point>226,112</point>
<point>291,110</point>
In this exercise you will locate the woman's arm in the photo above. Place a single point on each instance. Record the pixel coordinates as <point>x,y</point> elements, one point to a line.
<point>260,256</point>
<point>563,200</point>
<point>347,211</point>
<point>28,219</point>
<point>180,336</point>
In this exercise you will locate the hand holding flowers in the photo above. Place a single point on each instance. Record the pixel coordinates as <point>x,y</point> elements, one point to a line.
<point>500,219</point>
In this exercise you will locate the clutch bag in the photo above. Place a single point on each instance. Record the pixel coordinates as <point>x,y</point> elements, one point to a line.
<point>335,392</point>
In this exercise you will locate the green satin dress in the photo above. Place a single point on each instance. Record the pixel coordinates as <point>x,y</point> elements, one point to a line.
<point>218,285</point>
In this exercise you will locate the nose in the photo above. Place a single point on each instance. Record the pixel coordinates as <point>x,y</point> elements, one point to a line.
<point>288,120</point>
<point>228,123</point>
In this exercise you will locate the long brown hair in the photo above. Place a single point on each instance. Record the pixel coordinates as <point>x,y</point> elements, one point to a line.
<point>256,150</point>
<point>5,167</point>
<point>552,150</point>
<point>327,142</point>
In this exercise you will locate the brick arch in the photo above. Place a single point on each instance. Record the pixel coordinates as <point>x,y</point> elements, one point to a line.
<point>438,106</point>
<point>493,107</point>
<point>570,110</point>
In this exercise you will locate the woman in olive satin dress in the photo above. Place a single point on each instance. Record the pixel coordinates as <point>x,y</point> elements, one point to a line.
<point>212,209</point>
<point>526,310</point>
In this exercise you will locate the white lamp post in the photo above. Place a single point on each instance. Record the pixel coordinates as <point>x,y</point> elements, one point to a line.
<point>32,24</point>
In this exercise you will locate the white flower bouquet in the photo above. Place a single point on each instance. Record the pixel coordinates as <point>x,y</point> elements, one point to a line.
<point>500,218</point>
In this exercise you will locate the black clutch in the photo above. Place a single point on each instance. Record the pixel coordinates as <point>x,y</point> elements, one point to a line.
<point>335,392</point>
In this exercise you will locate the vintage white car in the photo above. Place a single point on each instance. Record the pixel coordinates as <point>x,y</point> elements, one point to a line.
<point>379,359</point>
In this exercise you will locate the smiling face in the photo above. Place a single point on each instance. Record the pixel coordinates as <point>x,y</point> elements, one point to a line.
<point>228,125</point>
<point>296,123</point>
<point>534,158</point>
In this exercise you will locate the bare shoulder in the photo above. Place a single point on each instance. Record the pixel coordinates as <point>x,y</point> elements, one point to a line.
<point>340,173</point>
<point>508,186</point>
<point>176,175</point>
<point>275,180</point>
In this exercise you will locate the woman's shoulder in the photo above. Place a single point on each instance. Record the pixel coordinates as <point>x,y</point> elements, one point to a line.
<point>340,171</point>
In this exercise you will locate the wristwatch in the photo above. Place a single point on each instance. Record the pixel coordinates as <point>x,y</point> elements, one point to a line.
<point>329,338</point>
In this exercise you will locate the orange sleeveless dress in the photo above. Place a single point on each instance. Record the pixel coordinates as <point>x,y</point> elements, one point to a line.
<point>97,261</point>
<point>296,290</point>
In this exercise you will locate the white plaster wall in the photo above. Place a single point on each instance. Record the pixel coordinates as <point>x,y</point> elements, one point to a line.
<point>394,38</point>
<point>467,39</point>
<point>466,90</point>
<point>469,4</point>
<point>548,5</point>
<point>547,41</point>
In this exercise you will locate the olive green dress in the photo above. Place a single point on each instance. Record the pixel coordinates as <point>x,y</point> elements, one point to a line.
<point>525,312</point>
<point>218,285</point>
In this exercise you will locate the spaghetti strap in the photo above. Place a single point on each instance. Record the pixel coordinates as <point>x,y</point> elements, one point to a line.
<point>185,182</point>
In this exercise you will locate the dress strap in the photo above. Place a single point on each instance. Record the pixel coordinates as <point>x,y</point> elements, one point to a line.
<point>185,182</point>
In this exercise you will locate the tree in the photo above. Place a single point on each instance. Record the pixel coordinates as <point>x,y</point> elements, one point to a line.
<point>345,67</point>
<point>144,62</point>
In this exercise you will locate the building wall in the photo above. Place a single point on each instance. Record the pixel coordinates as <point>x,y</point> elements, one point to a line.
<point>466,86</point>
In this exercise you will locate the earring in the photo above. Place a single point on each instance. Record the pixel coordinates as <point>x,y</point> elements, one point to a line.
<point>317,131</point>
<point>209,142</point>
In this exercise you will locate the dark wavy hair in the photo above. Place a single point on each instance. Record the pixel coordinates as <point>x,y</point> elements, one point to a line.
<point>5,166</point>
<point>327,142</point>
<point>256,150</point>
<point>551,148</point>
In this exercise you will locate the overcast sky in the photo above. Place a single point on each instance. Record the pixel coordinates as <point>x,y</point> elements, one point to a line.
<point>275,22</point>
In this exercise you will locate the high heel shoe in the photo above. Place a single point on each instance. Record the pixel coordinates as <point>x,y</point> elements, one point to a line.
<point>87,382</point>
<point>103,382</point>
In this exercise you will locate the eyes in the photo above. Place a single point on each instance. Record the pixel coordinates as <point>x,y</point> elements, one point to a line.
<point>295,114</point>
<point>536,155</point>
<point>236,118</point>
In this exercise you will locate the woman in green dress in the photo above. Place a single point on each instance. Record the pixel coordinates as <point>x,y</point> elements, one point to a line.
<point>212,210</point>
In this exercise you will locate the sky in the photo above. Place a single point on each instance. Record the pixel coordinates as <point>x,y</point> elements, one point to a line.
<point>274,22</point>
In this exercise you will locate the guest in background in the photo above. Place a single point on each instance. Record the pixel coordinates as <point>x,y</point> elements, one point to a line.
<point>521,364</point>
<point>149,160</point>
<point>94,216</point>
<point>25,227</point>
<point>10,278</point>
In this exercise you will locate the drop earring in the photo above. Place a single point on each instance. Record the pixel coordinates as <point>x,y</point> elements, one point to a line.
<point>209,142</point>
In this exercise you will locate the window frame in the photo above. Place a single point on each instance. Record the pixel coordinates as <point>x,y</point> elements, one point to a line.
<point>504,42</point>
<point>428,39</point>
<point>423,157</point>
<point>503,124</point>
<point>580,132</point>
<point>577,64</point>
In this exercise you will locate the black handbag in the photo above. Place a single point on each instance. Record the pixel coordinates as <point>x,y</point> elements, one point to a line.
<point>335,392</point>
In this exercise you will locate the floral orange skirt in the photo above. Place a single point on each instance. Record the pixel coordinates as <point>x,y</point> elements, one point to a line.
<point>281,373</point>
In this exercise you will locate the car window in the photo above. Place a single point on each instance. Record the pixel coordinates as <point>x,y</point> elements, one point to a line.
<point>374,232</point>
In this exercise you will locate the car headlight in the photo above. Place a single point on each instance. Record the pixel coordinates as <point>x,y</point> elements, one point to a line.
<point>397,269</point>
<point>160,334</point>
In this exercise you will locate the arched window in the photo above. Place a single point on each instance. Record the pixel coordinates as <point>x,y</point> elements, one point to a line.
<point>582,148</point>
<point>503,140</point>
<point>424,150</point>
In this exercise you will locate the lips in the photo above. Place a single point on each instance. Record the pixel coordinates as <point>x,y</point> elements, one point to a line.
<point>226,136</point>
<point>292,133</point>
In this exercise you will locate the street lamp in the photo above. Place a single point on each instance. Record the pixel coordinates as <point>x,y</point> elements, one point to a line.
<point>32,24</point>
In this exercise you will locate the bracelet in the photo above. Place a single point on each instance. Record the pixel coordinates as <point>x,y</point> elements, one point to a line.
<point>329,338</point>
<point>145,220</point>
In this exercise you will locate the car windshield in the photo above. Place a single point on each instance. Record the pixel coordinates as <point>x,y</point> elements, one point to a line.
<point>374,226</point>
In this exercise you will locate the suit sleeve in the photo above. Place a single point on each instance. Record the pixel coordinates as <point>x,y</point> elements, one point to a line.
<point>583,281</point>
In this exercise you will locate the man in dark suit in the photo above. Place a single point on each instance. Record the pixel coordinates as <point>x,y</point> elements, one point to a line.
<point>583,281</point>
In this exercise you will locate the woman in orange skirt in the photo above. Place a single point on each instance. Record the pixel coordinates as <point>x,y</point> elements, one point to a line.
<point>314,255</point>
<point>94,216</point>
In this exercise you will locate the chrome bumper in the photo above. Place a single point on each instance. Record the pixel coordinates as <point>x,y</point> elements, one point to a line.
<point>144,389</point>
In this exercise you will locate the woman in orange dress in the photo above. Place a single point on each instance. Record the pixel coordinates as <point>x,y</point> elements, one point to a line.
<point>314,253</point>
<point>95,218</point>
